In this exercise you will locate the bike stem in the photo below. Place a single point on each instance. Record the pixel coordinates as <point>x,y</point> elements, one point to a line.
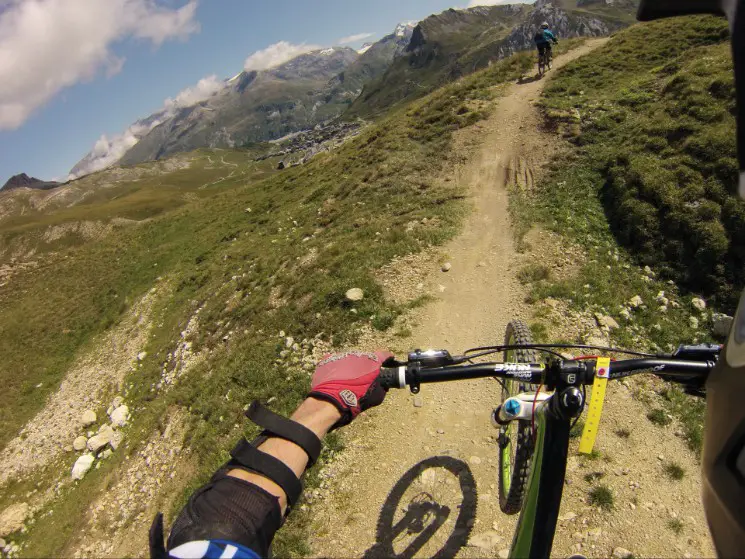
<point>534,535</point>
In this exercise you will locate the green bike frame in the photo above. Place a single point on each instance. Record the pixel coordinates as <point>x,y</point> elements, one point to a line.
<point>534,535</point>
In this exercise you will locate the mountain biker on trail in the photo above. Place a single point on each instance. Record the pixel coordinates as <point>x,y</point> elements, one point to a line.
<point>543,39</point>
<point>237,513</point>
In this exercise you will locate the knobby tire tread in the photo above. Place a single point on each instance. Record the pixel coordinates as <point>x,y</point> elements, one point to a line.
<point>511,503</point>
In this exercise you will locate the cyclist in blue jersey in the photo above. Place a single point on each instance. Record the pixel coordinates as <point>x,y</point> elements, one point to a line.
<point>543,39</point>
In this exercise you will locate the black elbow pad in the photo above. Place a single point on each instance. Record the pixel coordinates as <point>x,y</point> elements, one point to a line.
<point>227,510</point>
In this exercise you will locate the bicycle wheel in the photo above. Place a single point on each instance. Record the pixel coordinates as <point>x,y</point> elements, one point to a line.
<point>516,438</point>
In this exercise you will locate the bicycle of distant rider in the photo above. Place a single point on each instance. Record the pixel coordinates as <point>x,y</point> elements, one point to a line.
<point>541,400</point>
<point>544,60</point>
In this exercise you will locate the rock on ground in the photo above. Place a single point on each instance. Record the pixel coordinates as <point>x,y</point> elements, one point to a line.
<point>12,518</point>
<point>116,440</point>
<point>97,442</point>
<point>606,322</point>
<point>622,553</point>
<point>88,418</point>
<point>721,324</point>
<point>355,294</point>
<point>82,465</point>
<point>698,304</point>
<point>79,443</point>
<point>636,302</point>
<point>120,416</point>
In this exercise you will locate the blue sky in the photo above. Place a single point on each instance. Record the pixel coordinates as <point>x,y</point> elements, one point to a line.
<point>84,68</point>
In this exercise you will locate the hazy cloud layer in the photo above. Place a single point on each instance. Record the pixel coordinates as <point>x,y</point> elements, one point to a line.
<point>276,54</point>
<point>47,45</point>
<point>354,38</point>
<point>107,151</point>
<point>204,89</point>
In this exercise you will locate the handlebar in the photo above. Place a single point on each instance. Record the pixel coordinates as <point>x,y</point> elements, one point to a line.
<point>685,364</point>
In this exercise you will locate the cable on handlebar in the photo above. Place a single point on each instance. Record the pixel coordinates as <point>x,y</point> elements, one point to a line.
<point>488,350</point>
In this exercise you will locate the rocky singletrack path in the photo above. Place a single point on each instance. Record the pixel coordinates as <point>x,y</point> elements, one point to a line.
<point>418,476</point>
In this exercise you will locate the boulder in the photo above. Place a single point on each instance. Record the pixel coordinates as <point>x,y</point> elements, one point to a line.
<point>355,294</point>
<point>721,324</point>
<point>698,304</point>
<point>447,266</point>
<point>120,416</point>
<point>13,518</point>
<point>607,322</point>
<point>141,356</point>
<point>80,443</point>
<point>100,440</point>
<point>636,302</point>
<point>621,553</point>
<point>88,418</point>
<point>82,465</point>
<point>116,440</point>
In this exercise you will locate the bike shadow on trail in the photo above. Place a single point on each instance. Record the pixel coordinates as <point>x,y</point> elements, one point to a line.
<point>423,516</point>
<point>534,78</point>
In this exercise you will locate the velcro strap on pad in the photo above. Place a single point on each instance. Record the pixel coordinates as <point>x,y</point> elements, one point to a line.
<point>252,458</point>
<point>287,429</point>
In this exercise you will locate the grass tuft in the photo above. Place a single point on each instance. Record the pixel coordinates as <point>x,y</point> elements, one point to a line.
<point>602,497</point>
<point>676,525</point>
<point>659,417</point>
<point>674,471</point>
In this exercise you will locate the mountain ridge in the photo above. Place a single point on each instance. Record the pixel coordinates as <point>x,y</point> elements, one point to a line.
<point>22,180</point>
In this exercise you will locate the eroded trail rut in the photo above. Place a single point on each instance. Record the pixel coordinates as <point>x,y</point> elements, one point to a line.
<point>418,476</point>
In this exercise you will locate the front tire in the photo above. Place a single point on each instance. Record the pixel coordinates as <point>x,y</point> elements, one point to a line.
<point>516,438</point>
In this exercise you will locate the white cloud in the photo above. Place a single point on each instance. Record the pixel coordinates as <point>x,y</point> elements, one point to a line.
<point>48,45</point>
<point>354,38</point>
<point>204,89</point>
<point>107,151</point>
<point>276,54</point>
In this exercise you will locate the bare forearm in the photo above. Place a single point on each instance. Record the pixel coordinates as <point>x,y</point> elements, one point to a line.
<point>316,415</point>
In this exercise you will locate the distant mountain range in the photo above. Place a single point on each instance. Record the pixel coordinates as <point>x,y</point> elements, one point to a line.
<point>257,106</point>
<point>319,86</point>
<point>24,181</point>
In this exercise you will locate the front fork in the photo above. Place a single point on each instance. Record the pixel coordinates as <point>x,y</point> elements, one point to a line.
<point>534,535</point>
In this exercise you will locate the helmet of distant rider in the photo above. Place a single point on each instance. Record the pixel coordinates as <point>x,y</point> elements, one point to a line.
<point>544,25</point>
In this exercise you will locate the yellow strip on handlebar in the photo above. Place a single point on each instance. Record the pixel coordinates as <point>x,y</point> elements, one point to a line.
<point>592,424</point>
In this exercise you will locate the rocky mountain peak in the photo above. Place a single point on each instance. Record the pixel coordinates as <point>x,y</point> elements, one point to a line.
<point>22,180</point>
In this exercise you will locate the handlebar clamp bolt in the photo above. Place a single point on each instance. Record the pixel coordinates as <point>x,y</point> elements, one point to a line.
<point>512,407</point>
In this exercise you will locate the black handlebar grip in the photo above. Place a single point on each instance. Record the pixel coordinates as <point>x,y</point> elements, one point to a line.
<point>390,377</point>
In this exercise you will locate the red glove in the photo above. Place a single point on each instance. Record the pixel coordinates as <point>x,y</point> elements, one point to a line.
<point>350,382</point>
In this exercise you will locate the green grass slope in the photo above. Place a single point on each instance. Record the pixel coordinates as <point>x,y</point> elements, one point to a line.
<point>238,254</point>
<point>652,115</point>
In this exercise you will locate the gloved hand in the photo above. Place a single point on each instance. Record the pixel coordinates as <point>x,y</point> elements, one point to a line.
<point>350,382</point>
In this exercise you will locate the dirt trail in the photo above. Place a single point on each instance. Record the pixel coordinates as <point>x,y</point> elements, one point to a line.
<point>418,475</point>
